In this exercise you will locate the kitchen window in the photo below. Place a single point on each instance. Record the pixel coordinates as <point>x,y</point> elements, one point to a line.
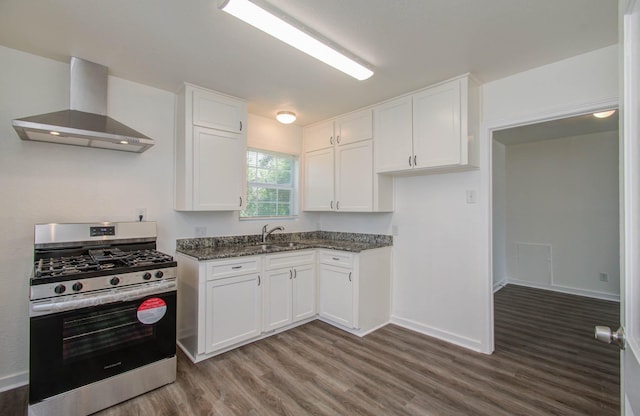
<point>272,185</point>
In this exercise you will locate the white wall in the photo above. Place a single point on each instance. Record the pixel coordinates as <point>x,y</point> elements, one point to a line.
<point>564,193</point>
<point>44,182</point>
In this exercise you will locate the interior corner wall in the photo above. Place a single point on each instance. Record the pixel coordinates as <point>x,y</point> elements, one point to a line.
<point>499,205</point>
<point>563,193</point>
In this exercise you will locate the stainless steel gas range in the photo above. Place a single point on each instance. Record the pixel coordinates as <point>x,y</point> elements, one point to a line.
<point>102,316</point>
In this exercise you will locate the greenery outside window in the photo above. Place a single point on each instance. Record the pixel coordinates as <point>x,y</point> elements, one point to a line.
<point>272,183</point>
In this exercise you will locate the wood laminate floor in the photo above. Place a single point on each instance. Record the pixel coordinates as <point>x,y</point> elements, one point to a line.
<point>546,363</point>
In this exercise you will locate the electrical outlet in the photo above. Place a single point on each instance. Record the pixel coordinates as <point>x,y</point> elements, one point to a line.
<point>201,231</point>
<point>604,277</point>
<point>141,214</point>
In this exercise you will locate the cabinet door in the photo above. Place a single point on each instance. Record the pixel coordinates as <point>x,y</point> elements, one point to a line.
<point>336,295</point>
<point>277,296</point>
<point>233,311</point>
<point>354,127</point>
<point>218,170</point>
<point>436,126</point>
<point>318,136</point>
<point>354,177</point>
<point>318,180</point>
<point>304,292</point>
<point>392,135</point>
<point>218,112</point>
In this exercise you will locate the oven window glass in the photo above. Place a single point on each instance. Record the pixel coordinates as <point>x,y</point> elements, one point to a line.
<point>103,331</point>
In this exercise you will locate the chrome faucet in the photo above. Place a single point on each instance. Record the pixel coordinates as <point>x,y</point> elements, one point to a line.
<point>266,233</point>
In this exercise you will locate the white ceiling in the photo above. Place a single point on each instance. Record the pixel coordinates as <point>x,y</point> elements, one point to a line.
<point>409,43</point>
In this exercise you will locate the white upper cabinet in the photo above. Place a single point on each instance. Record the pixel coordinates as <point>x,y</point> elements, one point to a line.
<point>210,151</point>
<point>354,127</point>
<point>319,136</point>
<point>339,167</point>
<point>219,112</point>
<point>432,130</point>
<point>393,135</point>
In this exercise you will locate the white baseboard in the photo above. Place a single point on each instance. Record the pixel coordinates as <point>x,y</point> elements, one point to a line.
<point>461,341</point>
<point>499,285</point>
<point>567,290</point>
<point>13,381</point>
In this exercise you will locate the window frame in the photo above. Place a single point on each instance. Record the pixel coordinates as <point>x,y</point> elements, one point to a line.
<point>294,189</point>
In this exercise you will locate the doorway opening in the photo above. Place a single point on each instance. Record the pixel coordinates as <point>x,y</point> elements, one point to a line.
<point>556,259</point>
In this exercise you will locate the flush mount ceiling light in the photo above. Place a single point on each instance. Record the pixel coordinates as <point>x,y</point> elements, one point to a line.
<point>604,114</point>
<point>286,117</point>
<point>291,35</point>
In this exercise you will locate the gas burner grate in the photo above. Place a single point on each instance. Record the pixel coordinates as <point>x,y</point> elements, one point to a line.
<point>62,266</point>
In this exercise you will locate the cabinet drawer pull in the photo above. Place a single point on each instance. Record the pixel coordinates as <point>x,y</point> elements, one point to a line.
<point>295,273</point>
<point>331,204</point>
<point>337,204</point>
<point>331,140</point>
<point>240,201</point>
<point>236,267</point>
<point>338,139</point>
<point>290,274</point>
<point>240,125</point>
<point>409,160</point>
<point>335,258</point>
<point>415,160</point>
<point>258,280</point>
<point>349,276</point>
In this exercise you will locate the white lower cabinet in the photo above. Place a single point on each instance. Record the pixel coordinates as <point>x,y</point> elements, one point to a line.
<point>233,311</point>
<point>289,288</point>
<point>355,289</point>
<point>225,303</point>
<point>219,304</point>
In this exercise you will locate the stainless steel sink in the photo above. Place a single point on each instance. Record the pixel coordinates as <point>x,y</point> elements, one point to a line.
<point>275,246</point>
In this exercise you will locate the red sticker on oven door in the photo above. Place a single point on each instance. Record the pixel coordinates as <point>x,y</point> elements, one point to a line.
<point>151,310</point>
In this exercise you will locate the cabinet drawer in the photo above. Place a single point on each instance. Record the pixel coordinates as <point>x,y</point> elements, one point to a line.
<point>237,266</point>
<point>337,258</point>
<point>289,259</point>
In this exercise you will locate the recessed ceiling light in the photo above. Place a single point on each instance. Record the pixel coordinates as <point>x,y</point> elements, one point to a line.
<point>604,114</point>
<point>286,117</point>
<point>54,133</point>
<point>291,35</point>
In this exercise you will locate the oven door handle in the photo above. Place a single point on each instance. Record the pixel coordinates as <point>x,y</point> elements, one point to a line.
<point>121,295</point>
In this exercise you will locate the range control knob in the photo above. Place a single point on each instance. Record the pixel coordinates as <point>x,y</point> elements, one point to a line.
<point>77,286</point>
<point>114,280</point>
<point>146,276</point>
<point>59,289</point>
<point>159,274</point>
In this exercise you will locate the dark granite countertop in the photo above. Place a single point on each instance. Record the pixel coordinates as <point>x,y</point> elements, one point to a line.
<point>211,248</point>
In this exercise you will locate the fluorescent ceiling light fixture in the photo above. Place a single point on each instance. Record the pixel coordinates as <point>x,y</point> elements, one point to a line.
<point>286,117</point>
<point>291,35</point>
<point>604,114</point>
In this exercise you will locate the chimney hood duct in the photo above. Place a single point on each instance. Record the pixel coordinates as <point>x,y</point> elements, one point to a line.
<point>85,123</point>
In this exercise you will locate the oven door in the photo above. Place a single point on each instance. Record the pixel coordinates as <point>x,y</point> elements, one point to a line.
<point>73,348</point>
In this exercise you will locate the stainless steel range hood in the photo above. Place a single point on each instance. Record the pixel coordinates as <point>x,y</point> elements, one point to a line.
<point>85,123</point>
